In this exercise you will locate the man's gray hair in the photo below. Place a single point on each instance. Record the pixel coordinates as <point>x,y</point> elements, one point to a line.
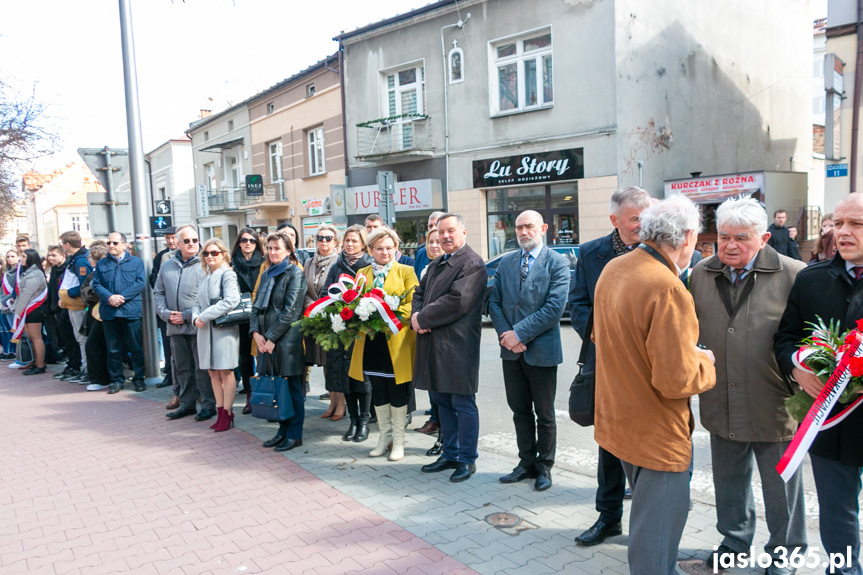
<point>189,227</point>
<point>630,195</point>
<point>459,218</point>
<point>434,216</point>
<point>667,222</point>
<point>742,213</point>
<point>121,234</point>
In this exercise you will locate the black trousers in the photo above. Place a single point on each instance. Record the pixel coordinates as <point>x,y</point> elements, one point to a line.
<point>532,388</point>
<point>385,390</point>
<point>612,483</point>
<point>247,362</point>
<point>97,353</point>
<point>166,348</point>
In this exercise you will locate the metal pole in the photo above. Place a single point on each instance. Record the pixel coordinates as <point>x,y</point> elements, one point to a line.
<point>112,205</point>
<point>139,189</point>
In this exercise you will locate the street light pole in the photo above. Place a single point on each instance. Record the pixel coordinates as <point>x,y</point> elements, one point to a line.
<point>139,194</point>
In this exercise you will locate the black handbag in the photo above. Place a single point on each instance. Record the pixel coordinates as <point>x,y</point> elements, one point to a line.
<point>270,398</point>
<point>237,316</point>
<point>583,388</point>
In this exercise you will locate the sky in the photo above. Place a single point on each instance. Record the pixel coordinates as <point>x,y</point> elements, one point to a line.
<point>191,54</point>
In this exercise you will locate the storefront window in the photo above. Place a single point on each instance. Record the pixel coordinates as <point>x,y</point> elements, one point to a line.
<point>557,203</point>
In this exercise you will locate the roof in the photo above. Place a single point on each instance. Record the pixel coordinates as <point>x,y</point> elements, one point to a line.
<point>392,20</point>
<point>79,198</point>
<point>301,74</point>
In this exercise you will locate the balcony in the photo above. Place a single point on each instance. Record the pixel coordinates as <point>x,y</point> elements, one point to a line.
<point>235,200</point>
<point>394,137</point>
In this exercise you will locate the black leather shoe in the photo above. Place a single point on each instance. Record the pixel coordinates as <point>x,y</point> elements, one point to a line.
<point>205,414</point>
<point>440,465</point>
<point>351,432</point>
<point>518,474</point>
<point>713,560</point>
<point>362,431</point>
<point>33,371</point>
<point>462,472</point>
<point>115,387</point>
<point>435,449</point>
<point>180,413</point>
<point>164,383</point>
<point>275,441</point>
<point>289,444</point>
<point>543,480</point>
<point>139,386</point>
<point>599,532</point>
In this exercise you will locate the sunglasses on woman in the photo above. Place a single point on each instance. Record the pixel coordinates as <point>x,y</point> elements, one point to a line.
<point>247,240</point>
<point>325,238</point>
<point>190,241</point>
<point>213,253</point>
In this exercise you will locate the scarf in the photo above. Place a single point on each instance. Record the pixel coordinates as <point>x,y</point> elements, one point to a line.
<point>617,243</point>
<point>351,260</point>
<point>277,269</point>
<point>247,269</point>
<point>322,266</point>
<point>380,273</point>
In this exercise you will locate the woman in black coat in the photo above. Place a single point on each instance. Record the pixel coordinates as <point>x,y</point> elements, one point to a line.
<point>358,397</point>
<point>278,304</point>
<point>247,256</point>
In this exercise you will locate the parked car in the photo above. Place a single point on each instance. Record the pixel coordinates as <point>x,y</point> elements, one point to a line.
<point>570,251</point>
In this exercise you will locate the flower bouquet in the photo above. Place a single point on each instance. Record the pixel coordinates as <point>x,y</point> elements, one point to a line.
<point>349,311</point>
<point>820,353</point>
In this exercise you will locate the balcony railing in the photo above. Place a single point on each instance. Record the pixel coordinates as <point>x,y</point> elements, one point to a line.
<point>236,199</point>
<point>408,134</point>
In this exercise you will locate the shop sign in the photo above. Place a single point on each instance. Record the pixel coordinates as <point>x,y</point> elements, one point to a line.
<point>717,188</point>
<point>546,167</point>
<point>407,196</point>
<point>315,206</point>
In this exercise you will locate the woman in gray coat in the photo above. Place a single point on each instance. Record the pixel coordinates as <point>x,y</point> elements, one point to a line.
<point>29,307</point>
<point>218,347</point>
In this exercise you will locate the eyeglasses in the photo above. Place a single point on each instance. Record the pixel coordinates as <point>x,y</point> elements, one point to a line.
<point>247,240</point>
<point>213,253</point>
<point>188,241</point>
<point>113,243</point>
<point>325,238</point>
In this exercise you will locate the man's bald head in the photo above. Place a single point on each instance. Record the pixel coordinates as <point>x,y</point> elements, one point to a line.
<point>529,229</point>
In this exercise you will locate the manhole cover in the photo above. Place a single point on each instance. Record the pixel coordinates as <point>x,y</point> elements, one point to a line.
<point>503,519</point>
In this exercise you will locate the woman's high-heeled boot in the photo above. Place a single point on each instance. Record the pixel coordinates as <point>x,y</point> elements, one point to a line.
<point>220,413</point>
<point>364,400</point>
<point>399,417</point>
<point>385,424</point>
<point>352,430</point>
<point>226,422</point>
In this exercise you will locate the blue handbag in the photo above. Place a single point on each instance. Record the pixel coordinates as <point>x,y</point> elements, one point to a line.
<point>271,398</point>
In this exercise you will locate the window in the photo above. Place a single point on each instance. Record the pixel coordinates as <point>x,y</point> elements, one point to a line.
<point>456,64</point>
<point>310,90</point>
<point>522,73</point>
<point>163,193</point>
<point>275,161</point>
<point>558,204</point>
<point>76,223</point>
<point>271,108</point>
<point>233,174</point>
<point>211,176</point>
<point>406,91</point>
<point>230,125</point>
<point>317,160</point>
<point>206,136</point>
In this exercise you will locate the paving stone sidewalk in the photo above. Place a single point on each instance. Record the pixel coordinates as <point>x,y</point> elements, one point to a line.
<point>105,484</point>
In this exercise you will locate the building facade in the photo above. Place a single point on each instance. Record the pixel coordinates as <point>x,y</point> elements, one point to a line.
<point>554,105</point>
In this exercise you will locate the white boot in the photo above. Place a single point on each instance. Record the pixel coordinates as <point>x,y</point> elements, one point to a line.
<point>385,425</point>
<point>399,420</point>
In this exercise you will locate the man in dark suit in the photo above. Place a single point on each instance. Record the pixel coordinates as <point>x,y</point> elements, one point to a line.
<point>626,207</point>
<point>525,306</point>
<point>447,315</point>
<point>831,290</point>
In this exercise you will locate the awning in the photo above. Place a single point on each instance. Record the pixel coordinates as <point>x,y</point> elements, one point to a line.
<point>720,196</point>
<point>222,145</point>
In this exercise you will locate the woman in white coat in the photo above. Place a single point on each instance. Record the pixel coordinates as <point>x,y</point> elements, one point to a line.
<point>218,347</point>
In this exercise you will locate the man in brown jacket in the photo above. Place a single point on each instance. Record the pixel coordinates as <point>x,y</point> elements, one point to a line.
<point>739,297</point>
<point>647,342</point>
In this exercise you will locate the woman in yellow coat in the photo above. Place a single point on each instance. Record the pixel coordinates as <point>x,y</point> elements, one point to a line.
<point>388,364</point>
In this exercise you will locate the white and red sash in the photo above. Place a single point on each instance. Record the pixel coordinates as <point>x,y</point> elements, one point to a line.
<point>817,417</point>
<point>18,325</point>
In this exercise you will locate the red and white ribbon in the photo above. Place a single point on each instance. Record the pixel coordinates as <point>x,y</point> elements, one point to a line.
<point>386,312</point>
<point>335,293</point>
<point>817,417</point>
<point>18,324</point>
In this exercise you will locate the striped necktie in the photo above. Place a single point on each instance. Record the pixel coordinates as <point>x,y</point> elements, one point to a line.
<point>525,267</point>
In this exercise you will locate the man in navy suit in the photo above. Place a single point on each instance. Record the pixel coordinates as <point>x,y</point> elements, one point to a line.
<point>525,306</point>
<point>626,207</point>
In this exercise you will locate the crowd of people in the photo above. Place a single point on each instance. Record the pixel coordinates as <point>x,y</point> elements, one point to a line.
<point>660,325</point>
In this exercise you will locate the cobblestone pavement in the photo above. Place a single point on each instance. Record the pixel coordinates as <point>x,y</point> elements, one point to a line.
<point>95,484</point>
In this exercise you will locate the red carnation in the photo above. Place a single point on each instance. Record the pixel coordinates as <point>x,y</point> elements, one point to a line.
<point>860,324</point>
<point>378,292</point>
<point>350,295</point>
<point>347,313</point>
<point>856,366</point>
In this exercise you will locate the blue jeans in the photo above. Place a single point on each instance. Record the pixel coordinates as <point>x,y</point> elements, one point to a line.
<point>6,332</point>
<point>838,488</point>
<point>459,425</point>
<point>117,331</point>
<point>293,428</point>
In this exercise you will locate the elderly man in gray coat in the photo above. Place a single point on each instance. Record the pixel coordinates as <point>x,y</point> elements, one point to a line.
<point>526,303</point>
<point>740,294</point>
<point>175,294</point>
<point>447,314</point>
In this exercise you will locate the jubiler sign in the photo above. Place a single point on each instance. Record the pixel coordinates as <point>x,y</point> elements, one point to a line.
<point>529,168</point>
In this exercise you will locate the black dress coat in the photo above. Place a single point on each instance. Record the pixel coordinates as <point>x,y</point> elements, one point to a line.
<point>825,290</point>
<point>279,303</point>
<point>339,360</point>
<point>449,302</point>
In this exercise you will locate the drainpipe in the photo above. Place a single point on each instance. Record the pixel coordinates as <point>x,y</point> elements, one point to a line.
<point>344,114</point>
<point>858,78</point>
<point>459,24</point>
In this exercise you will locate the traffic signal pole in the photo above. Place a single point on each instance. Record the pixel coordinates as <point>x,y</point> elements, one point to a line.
<point>139,191</point>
